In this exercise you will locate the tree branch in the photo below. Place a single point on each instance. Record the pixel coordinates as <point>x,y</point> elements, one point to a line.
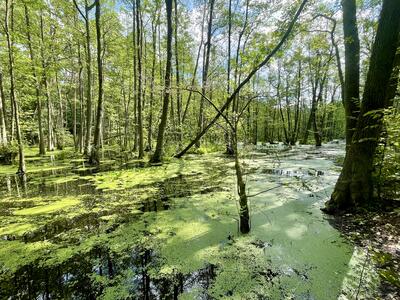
<point>247,79</point>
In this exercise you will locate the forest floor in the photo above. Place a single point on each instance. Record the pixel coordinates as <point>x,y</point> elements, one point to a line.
<point>129,230</point>
<point>378,232</point>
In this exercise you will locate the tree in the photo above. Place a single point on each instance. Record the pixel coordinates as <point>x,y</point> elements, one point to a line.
<point>94,156</point>
<point>139,43</point>
<point>85,17</point>
<point>355,185</point>
<point>14,101</point>
<point>232,97</point>
<point>157,156</point>
<point>3,125</point>
<point>206,65</point>
<point>352,67</point>
<point>42,149</point>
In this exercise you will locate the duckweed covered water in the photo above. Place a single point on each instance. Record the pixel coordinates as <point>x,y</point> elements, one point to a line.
<point>133,231</point>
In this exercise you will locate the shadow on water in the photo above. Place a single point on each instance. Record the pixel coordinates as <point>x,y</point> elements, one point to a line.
<point>87,276</point>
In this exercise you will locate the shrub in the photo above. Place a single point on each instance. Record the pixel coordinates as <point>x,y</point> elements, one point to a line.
<point>8,153</point>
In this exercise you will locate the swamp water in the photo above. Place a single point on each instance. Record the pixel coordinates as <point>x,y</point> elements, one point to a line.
<point>171,232</point>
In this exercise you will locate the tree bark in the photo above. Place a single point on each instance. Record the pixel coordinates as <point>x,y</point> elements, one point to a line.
<point>3,116</point>
<point>139,48</point>
<point>177,72</point>
<point>352,67</point>
<point>157,156</point>
<point>50,135</point>
<point>355,186</point>
<point>42,149</point>
<point>153,70</point>
<point>21,163</point>
<point>206,65</point>
<point>95,151</point>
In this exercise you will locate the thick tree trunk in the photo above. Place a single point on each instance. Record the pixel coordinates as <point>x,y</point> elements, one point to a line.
<point>354,187</point>
<point>157,156</point>
<point>352,67</point>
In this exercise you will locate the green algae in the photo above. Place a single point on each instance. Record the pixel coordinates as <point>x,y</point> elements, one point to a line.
<point>11,169</point>
<point>53,206</point>
<point>125,179</point>
<point>292,251</point>
<point>16,229</point>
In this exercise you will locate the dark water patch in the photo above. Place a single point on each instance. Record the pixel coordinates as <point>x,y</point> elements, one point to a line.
<point>178,187</point>
<point>292,173</point>
<point>42,185</point>
<point>88,275</point>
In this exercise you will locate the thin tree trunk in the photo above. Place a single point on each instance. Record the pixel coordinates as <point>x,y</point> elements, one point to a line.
<point>178,92</point>
<point>95,153</point>
<point>230,99</point>
<point>80,87</point>
<point>206,60</point>
<point>229,148</point>
<point>21,164</point>
<point>153,70</point>
<point>195,67</point>
<point>139,43</point>
<point>42,149</point>
<point>50,137</point>
<point>157,156</point>
<point>135,77</point>
<point>88,124</point>
<point>3,116</point>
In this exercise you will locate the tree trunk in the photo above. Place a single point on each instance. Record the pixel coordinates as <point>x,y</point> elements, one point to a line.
<point>50,137</point>
<point>42,149</point>
<point>157,156</point>
<point>21,164</point>
<point>139,44</point>
<point>88,124</point>
<point>207,52</point>
<point>352,67</point>
<point>195,67</point>
<point>178,92</point>
<point>354,187</point>
<point>3,116</point>
<point>244,216</point>
<point>80,87</point>
<point>228,138</point>
<point>95,152</point>
<point>231,98</point>
<point>153,70</point>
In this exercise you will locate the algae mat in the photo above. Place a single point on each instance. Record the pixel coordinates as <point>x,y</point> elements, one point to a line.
<point>171,231</point>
